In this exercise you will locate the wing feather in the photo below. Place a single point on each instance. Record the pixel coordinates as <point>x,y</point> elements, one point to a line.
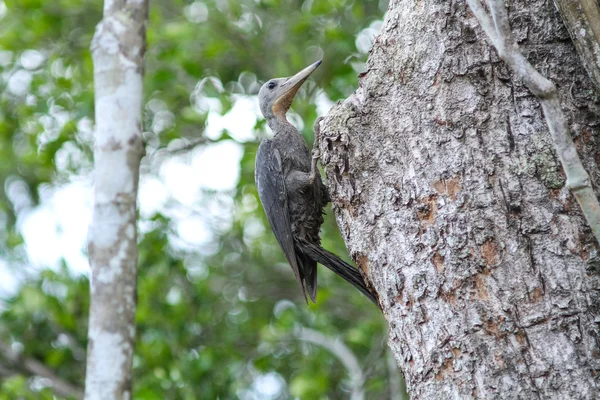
<point>270,183</point>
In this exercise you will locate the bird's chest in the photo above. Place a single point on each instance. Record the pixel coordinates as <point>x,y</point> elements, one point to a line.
<point>294,154</point>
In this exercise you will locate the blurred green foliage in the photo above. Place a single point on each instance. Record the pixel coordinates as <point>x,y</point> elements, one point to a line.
<point>216,323</point>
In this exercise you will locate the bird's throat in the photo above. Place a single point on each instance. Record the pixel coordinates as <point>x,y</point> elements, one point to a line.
<point>283,103</point>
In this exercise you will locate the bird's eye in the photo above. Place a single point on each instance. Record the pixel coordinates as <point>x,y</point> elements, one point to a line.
<point>271,85</point>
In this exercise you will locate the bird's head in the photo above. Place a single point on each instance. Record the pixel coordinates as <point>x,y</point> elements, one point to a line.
<point>275,96</point>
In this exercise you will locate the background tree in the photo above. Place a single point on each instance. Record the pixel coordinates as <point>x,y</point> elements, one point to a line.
<point>118,49</point>
<point>219,314</point>
<point>450,197</point>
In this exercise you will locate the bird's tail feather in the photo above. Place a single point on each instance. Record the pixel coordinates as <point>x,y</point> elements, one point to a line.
<point>337,265</point>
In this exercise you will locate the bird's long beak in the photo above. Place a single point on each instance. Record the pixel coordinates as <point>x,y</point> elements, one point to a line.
<point>289,88</point>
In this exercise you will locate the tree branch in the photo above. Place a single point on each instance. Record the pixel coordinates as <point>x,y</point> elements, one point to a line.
<point>35,367</point>
<point>342,352</point>
<point>500,35</point>
<point>397,387</point>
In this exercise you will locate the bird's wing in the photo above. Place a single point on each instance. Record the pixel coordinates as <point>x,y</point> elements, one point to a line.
<point>273,196</point>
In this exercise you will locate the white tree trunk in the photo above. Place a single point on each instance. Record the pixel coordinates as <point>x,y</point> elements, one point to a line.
<point>449,195</point>
<point>118,52</point>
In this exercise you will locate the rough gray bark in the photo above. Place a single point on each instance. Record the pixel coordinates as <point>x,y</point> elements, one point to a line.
<point>448,192</point>
<point>496,25</point>
<point>582,20</point>
<point>118,53</point>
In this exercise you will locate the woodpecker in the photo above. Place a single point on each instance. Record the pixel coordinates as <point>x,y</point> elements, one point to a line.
<point>291,190</point>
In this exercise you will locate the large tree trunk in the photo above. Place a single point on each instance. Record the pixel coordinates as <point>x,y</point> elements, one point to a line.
<point>448,192</point>
<point>118,53</point>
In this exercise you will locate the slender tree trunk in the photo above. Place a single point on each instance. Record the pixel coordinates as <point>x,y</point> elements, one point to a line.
<point>448,192</point>
<point>118,52</point>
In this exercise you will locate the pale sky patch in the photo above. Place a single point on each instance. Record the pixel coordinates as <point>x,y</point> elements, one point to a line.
<point>239,121</point>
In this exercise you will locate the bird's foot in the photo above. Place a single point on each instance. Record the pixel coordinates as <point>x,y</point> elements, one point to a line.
<point>316,154</point>
<point>317,129</point>
<point>314,170</point>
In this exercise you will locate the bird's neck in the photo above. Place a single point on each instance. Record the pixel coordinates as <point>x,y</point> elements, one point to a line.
<point>281,125</point>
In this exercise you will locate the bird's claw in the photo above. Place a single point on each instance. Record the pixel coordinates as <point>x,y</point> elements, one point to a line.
<point>317,126</point>
<point>313,168</point>
<point>316,154</point>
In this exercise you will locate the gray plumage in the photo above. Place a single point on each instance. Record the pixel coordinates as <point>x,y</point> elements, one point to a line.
<point>291,191</point>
